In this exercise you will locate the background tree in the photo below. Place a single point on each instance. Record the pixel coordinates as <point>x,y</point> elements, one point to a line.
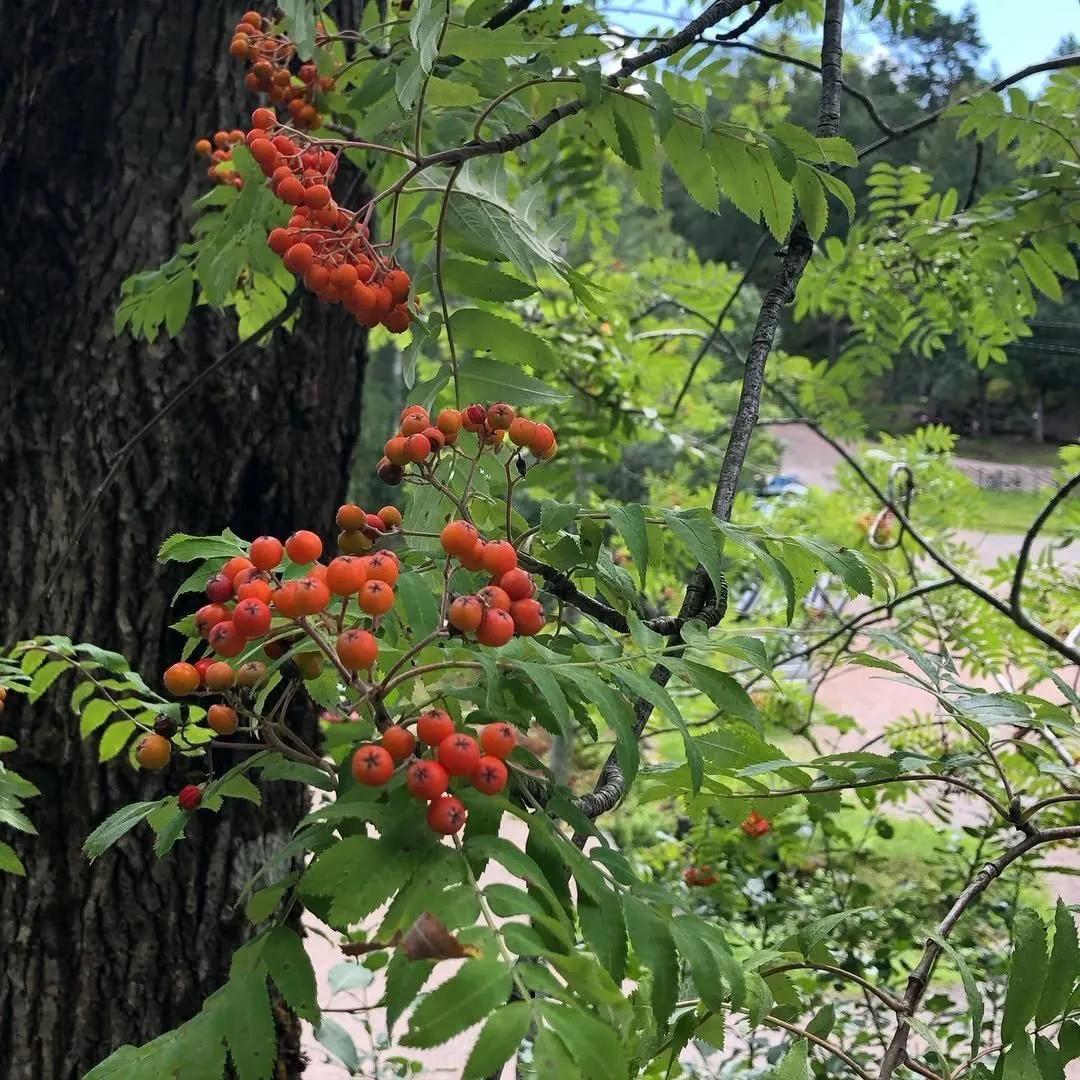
<point>101,108</point>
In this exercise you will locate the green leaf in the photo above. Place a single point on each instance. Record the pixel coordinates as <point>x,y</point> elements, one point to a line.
<point>424,27</point>
<point>263,903</point>
<point>1019,1062</point>
<point>684,145</point>
<point>249,1025</point>
<point>499,1039</point>
<point>483,282</point>
<point>1063,969</point>
<point>651,941</point>
<point>630,522</point>
<point>115,739</point>
<point>711,962</point>
<point>115,826</point>
<point>695,529</point>
<point>839,150</point>
<point>545,681</point>
<point>358,873</point>
<point>408,80</point>
<point>735,173</point>
<point>418,605</point>
<point>298,19</point>
<point>1027,974</point>
<point>443,93</point>
<point>349,976</point>
<point>971,990</point>
<point>44,677</point>
<point>477,988</point>
<point>331,1035</point>
<point>404,979</point>
<point>777,198</point>
<point>659,698</point>
<point>616,713</point>
<point>489,380</point>
<point>794,1065</point>
<point>485,332</point>
<point>180,547</point>
<point>1041,276</point>
<point>95,714</point>
<point>593,1046</point>
<point>521,865</point>
<point>839,190</point>
<point>10,863</point>
<point>291,970</point>
<point>812,202</point>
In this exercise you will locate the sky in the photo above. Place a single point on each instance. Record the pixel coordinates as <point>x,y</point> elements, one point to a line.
<point>1021,32</point>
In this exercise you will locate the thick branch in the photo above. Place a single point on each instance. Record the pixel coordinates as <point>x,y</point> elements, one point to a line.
<point>1029,539</point>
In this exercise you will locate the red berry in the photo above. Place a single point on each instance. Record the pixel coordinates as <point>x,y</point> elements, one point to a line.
<point>203,666</point>
<point>499,557</point>
<point>266,552</point>
<point>398,742</point>
<point>189,797</point>
<point>459,754</point>
<point>516,584</point>
<point>303,546</point>
<point>417,447</point>
<point>256,589</point>
<point>426,779</point>
<point>208,616</point>
<point>476,414</point>
<point>542,440</point>
<point>372,765</point>
<point>291,191</point>
<point>219,588</point>
<point>446,815</point>
<point>434,726</point>
<point>252,618</point>
<point>181,679</point>
<point>466,613</point>
<point>497,628</point>
<point>226,640</point>
<point>399,284</point>
<point>317,196</point>
<point>500,416</point>
<point>498,740</point>
<point>490,775</point>
<point>263,118</point>
<point>357,649</point>
<point>528,616</point>
<point>312,595</point>
<point>521,431</point>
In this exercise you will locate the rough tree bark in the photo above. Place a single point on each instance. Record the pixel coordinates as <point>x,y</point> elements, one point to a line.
<point>101,102</point>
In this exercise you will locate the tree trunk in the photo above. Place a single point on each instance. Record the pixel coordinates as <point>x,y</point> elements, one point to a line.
<point>102,101</point>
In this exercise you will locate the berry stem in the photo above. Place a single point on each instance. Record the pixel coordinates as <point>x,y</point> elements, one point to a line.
<point>440,232</point>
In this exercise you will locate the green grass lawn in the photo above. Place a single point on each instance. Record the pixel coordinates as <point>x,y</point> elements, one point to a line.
<point>1014,511</point>
<point>1008,451</point>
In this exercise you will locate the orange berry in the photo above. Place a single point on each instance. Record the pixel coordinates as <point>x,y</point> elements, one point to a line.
<point>220,676</point>
<point>181,679</point>
<point>303,546</point>
<point>399,283</point>
<point>433,726</point>
<point>498,740</point>
<point>204,147</point>
<point>396,449</point>
<point>528,616</point>
<point>399,742</point>
<point>499,557</point>
<point>391,517</point>
<point>458,537</point>
<point>345,575</point>
<point>414,422</point>
<point>312,595</point>
<point>449,423</point>
<point>235,565</point>
<point>153,752</point>
<point>266,552</point>
<point>350,516</point>
<point>446,815</point>
<point>516,584</point>
<point>417,447</point>
<point>492,596</point>
<point>521,431</point>
<point>375,597</point>
<point>383,566</point>
<point>222,719</point>
<point>357,649</point>
<point>466,613</point>
<point>542,438</point>
<point>372,765</point>
<point>500,416</point>
<point>490,775</point>
<point>287,600</point>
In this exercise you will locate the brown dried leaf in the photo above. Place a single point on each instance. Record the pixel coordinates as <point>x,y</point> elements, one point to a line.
<point>428,939</point>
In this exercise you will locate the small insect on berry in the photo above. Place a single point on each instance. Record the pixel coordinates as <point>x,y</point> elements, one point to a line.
<point>498,740</point>
<point>357,649</point>
<point>465,614</point>
<point>434,726</point>
<point>399,742</point>
<point>490,775</point>
<point>303,546</point>
<point>426,779</point>
<point>181,679</point>
<point>189,797</point>
<point>459,754</point>
<point>222,719</point>
<point>372,765</point>
<point>446,815</point>
<point>153,752</point>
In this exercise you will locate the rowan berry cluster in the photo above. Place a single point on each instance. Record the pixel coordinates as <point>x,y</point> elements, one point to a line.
<point>219,152</point>
<point>268,56</point>
<point>324,243</point>
<point>419,439</point>
<point>699,877</point>
<point>755,825</point>
<point>438,756</point>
